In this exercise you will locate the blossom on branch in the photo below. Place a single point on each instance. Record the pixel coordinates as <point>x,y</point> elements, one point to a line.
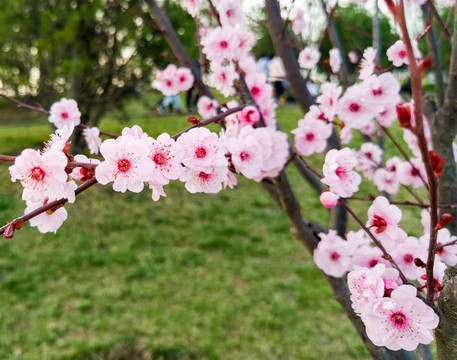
<point>64,112</point>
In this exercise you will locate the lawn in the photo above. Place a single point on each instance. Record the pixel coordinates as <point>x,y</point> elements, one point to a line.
<point>188,277</point>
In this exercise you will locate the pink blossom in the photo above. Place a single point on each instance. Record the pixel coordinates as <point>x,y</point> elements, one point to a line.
<point>202,152</point>
<point>207,107</point>
<point>438,275</point>
<point>447,254</point>
<point>355,109</point>
<point>219,44</point>
<point>368,63</point>
<point>398,54</point>
<point>48,221</point>
<point>383,220</point>
<point>401,321</point>
<point>126,164</point>
<point>192,6</point>
<point>328,100</point>
<point>353,57</point>
<point>332,254</point>
<point>386,180</point>
<point>369,256</point>
<point>383,89</point>
<point>309,57</point>
<point>59,140</point>
<point>299,22</point>
<point>167,81</point>
<point>230,12</point>
<point>329,199</point>
<point>248,116</point>
<point>412,173</point>
<point>41,175</point>
<point>92,137</point>
<point>64,112</point>
<point>185,79</point>
<point>339,174</point>
<point>369,156</point>
<point>135,131</point>
<point>387,117</point>
<point>245,41</point>
<point>261,91</point>
<point>365,286</point>
<point>222,78</point>
<point>404,255</point>
<point>205,182</point>
<point>311,136</point>
<point>335,60</point>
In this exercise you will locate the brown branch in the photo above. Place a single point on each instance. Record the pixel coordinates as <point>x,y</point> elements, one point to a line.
<point>20,104</point>
<point>438,18</point>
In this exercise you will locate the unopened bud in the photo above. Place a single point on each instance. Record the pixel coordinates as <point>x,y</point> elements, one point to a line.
<point>437,163</point>
<point>404,116</point>
<point>445,220</point>
<point>425,64</point>
<point>419,263</point>
<point>193,120</point>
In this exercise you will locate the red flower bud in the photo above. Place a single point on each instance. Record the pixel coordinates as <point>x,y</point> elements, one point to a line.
<point>404,116</point>
<point>425,64</point>
<point>445,220</point>
<point>418,262</point>
<point>193,120</point>
<point>11,228</point>
<point>437,163</point>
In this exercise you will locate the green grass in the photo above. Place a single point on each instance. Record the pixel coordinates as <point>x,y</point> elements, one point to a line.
<point>188,277</point>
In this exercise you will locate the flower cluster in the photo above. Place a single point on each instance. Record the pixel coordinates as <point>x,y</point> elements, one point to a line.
<point>173,80</point>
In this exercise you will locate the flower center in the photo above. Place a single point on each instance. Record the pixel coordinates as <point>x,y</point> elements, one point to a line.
<point>373,263</point>
<point>159,158</point>
<point>223,44</point>
<point>340,172</point>
<point>334,256</point>
<point>64,115</point>
<point>182,79</point>
<point>244,156</point>
<point>255,91</point>
<point>123,165</point>
<point>379,223</point>
<point>310,136</point>
<point>200,152</point>
<point>354,107</point>
<point>408,258</point>
<point>398,319</point>
<point>37,174</point>
<point>402,54</point>
<point>440,250</point>
<point>203,175</point>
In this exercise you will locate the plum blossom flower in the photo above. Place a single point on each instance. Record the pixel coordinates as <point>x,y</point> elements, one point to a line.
<point>398,54</point>
<point>311,136</point>
<point>412,173</point>
<point>41,175</point>
<point>335,60</point>
<point>328,100</point>
<point>80,173</point>
<point>207,107</point>
<point>400,321</point>
<point>192,6</point>
<point>299,22</point>
<point>309,57</point>
<point>126,164</point>
<point>219,44</point>
<point>369,156</point>
<point>386,180</point>
<point>185,79</point>
<point>206,182</point>
<point>383,89</point>
<point>339,174</point>
<point>230,12</point>
<point>332,254</point>
<point>248,116</point>
<point>329,199</point>
<point>222,78</point>
<point>405,254</point>
<point>368,63</point>
<point>92,137</point>
<point>353,57</point>
<point>48,221</point>
<point>202,150</point>
<point>64,112</point>
<point>59,140</point>
<point>447,254</point>
<point>166,81</point>
<point>383,220</point>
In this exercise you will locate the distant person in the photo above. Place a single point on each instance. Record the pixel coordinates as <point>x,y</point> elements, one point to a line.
<point>262,64</point>
<point>173,103</point>
<point>277,76</point>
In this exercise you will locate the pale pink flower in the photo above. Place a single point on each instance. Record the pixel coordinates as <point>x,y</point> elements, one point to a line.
<point>365,286</point>
<point>368,63</point>
<point>339,174</point>
<point>398,54</point>
<point>299,22</point>
<point>230,12</point>
<point>438,275</point>
<point>311,136</point>
<point>383,220</point>
<point>192,6</point>
<point>222,78</point>
<point>205,182</point>
<point>220,44</point>
<point>387,181</point>
<point>401,321</point>
<point>404,255</point>
<point>207,107</point>
<point>167,81</point>
<point>328,100</point>
<point>332,254</point>
<point>387,117</point>
<point>357,240</point>
<point>447,254</point>
<point>248,116</point>
<point>261,91</point>
<point>167,155</point>
<point>135,131</point>
<point>329,199</point>
<point>412,173</point>
<point>59,140</point>
<point>185,79</point>
<point>355,109</point>
<point>383,89</point>
<point>245,41</point>
<point>353,57</point>
<point>309,57</point>
<point>48,221</point>
<point>41,175</point>
<point>369,157</point>
<point>335,60</point>
<point>369,256</point>
<point>64,112</point>
<point>92,137</point>
<point>202,150</point>
<point>126,164</point>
